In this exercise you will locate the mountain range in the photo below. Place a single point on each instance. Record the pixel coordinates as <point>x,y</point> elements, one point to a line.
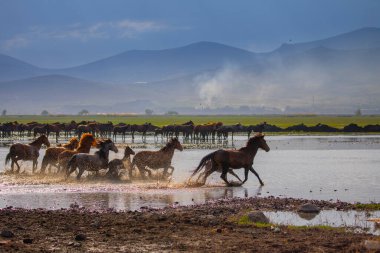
<point>333,75</point>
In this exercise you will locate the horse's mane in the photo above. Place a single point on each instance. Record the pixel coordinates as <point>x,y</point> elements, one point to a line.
<point>252,141</point>
<point>38,140</point>
<point>84,139</point>
<point>168,145</point>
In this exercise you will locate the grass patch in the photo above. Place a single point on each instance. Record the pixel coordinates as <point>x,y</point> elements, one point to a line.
<point>320,227</point>
<point>371,206</point>
<point>244,220</point>
<point>282,121</point>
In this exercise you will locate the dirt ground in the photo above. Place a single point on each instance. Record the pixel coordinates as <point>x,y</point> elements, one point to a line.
<point>210,227</point>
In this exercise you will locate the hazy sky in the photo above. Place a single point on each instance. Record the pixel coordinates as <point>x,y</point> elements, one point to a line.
<point>56,33</point>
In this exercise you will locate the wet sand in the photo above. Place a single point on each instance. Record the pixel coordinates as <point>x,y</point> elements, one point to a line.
<point>211,227</point>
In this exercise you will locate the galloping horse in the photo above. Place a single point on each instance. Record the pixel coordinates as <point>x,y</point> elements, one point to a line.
<point>94,162</point>
<point>26,152</point>
<point>156,159</point>
<point>51,154</point>
<point>235,159</point>
<point>116,165</point>
<point>86,142</point>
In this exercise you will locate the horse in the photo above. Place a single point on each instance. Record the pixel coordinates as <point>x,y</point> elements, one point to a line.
<point>105,129</point>
<point>205,130</point>
<point>207,171</point>
<point>121,129</point>
<point>26,152</point>
<point>222,131</point>
<point>94,162</point>
<point>156,159</point>
<point>147,127</point>
<point>85,143</point>
<point>243,158</point>
<point>55,128</point>
<point>116,165</point>
<point>51,154</point>
<point>40,129</point>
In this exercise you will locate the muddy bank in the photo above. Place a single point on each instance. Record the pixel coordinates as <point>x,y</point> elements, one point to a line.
<point>208,227</point>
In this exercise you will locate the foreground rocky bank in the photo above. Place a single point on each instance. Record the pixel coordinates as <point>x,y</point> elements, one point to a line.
<point>213,226</point>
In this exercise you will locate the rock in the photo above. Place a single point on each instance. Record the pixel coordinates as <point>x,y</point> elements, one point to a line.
<point>372,245</point>
<point>80,237</point>
<point>219,230</point>
<point>257,216</point>
<point>7,234</point>
<point>309,208</point>
<point>27,240</point>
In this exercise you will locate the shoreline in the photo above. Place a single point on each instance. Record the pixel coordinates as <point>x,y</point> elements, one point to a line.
<point>211,226</point>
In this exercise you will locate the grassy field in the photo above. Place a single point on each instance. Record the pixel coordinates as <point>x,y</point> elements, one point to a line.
<point>161,120</point>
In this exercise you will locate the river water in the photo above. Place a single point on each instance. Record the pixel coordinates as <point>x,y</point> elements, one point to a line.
<point>333,168</point>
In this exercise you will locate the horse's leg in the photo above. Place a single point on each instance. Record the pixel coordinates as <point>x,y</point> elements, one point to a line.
<point>18,166</point>
<point>12,165</point>
<point>257,175</point>
<point>81,170</point>
<point>246,170</point>
<point>35,163</point>
<point>233,174</point>
<point>225,169</point>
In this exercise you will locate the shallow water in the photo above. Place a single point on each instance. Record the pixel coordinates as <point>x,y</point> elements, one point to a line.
<point>355,220</point>
<point>313,167</point>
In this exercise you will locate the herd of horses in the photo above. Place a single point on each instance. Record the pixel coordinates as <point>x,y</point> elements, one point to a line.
<point>75,157</point>
<point>188,130</point>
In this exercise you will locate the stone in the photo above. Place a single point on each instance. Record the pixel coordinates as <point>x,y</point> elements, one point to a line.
<point>257,217</point>
<point>80,237</point>
<point>27,240</point>
<point>7,234</point>
<point>309,208</point>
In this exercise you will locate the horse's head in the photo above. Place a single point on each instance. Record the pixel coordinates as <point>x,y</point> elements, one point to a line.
<point>176,144</point>
<point>109,144</point>
<point>258,139</point>
<point>44,140</point>
<point>261,141</point>
<point>128,151</point>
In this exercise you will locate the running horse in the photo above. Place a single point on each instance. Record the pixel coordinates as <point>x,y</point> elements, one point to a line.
<point>85,143</point>
<point>51,154</point>
<point>243,158</point>
<point>94,162</point>
<point>26,152</point>
<point>156,159</point>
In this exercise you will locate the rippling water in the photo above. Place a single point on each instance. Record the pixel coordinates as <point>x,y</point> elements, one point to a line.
<point>312,167</point>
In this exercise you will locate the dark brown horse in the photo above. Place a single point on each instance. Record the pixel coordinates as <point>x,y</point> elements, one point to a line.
<point>243,158</point>
<point>26,152</point>
<point>86,142</point>
<point>51,154</point>
<point>116,165</point>
<point>156,159</point>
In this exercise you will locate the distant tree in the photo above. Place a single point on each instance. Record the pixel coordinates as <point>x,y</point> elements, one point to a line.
<point>358,112</point>
<point>44,113</point>
<point>4,113</point>
<point>172,113</point>
<point>148,111</point>
<point>83,112</point>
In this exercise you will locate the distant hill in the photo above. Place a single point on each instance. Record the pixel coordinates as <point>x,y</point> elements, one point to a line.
<point>154,65</point>
<point>336,74</point>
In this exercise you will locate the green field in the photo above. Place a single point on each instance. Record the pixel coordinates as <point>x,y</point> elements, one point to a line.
<point>161,120</point>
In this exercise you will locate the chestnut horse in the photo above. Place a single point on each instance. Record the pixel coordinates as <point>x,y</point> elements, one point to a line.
<point>51,154</point>
<point>235,159</point>
<point>156,159</point>
<point>26,152</point>
<point>86,142</point>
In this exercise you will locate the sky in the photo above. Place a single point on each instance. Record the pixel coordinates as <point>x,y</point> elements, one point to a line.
<point>59,34</point>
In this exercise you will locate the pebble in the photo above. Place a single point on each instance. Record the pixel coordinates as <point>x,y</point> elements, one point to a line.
<point>309,208</point>
<point>7,234</point>
<point>80,237</point>
<point>27,240</point>
<point>257,216</point>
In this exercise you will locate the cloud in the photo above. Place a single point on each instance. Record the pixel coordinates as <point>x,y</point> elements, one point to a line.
<point>84,32</point>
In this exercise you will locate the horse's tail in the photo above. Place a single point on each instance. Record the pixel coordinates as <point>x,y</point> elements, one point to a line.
<point>8,158</point>
<point>202,163</point>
